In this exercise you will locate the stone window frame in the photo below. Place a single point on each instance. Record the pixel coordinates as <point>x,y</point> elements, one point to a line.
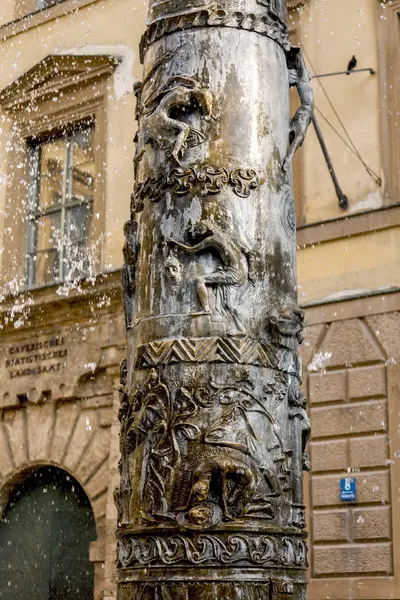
<point>79,83</point>
<point>68,200</point>
<point>388,32</point>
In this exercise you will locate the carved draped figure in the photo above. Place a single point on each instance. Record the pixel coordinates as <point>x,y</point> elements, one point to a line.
<point>213,419</point>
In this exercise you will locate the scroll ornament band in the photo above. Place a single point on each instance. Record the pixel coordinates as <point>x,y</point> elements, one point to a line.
<point>207,179</point>
<point>216,16</point>
<point>252,549</point>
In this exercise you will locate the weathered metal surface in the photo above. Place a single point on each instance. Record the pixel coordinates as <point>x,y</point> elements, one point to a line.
<point>213,420</point>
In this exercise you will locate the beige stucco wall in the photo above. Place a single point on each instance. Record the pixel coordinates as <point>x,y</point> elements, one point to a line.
<point>7,11</point>
<point>349,266</point>
<point>331,32</point>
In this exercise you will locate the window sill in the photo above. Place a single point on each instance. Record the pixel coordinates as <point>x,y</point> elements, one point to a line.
<point>47,306</point>
<point>41,16</point>
<point>85,283</point>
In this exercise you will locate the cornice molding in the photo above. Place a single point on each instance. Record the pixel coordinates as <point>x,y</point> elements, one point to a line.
<point>54,74</point>
<point>361,223</point>
<point>45,305</point>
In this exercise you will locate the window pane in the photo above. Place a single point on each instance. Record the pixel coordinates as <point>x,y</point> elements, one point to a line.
<point>46,3</point>
<point>46,259</point>
<point>46,267</point>
<point>52,159</point>
<point>76,257</point>
<point>34,178</point>
<point>77,223</point>
<point>48,231</point>
<point>82,165</point>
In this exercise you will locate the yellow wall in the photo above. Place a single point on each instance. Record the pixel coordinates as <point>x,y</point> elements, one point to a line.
<point>331,32</point>
<point>349,266</point>
<point>7,11</point>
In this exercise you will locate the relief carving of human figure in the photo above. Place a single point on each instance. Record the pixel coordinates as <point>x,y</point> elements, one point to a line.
<point>122,494</point>
<point>130,253</point>
<point>160,120</point>
<point>298,76</point>
<point>285,324</point>
<point>234,271</point>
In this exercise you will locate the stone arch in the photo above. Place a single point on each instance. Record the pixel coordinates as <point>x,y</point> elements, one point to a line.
<point>50,519</point>
<point>68,435</point>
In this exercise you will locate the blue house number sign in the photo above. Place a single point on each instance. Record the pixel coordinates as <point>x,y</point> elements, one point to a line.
<point>348,489</point>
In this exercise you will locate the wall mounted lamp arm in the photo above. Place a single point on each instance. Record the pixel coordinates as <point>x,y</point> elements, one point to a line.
<point>343,199</point>
<point>299,77</point>
<point>319,76</point>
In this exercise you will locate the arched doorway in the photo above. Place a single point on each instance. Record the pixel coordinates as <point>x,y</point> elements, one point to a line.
<point>44,540</point>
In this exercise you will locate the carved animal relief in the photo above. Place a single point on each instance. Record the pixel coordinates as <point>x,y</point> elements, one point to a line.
<point>206,457</point>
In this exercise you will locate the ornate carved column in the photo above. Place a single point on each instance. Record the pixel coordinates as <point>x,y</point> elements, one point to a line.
<point>213,421</point>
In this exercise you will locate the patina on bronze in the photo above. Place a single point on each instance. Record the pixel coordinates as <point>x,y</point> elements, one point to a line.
<point>213,420</point>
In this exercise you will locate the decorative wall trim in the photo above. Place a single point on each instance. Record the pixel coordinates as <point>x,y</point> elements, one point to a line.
<point>388,33</point>
<point>40,17</point>
<point>373,303</point>
<point>353,224</point>
<point>55,74</point>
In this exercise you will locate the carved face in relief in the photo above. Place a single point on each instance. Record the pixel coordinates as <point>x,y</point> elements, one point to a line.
<point>173,271</point>
<point>296,395</point>
<point>288,321</point>
<point>200,490</point>
<point>201,515</point>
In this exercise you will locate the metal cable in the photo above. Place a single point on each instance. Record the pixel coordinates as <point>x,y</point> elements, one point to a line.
<point>369,170</point>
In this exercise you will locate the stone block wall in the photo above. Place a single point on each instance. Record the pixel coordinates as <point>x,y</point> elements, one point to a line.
<point>349,367</point>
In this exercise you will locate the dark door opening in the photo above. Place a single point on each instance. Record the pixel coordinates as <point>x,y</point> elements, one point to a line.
<point>44,540</point>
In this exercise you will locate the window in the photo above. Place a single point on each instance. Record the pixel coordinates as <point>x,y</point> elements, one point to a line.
<point>45,3</point>
<point>28,7</point>
<point>61,185</point>
<point>56,172</point>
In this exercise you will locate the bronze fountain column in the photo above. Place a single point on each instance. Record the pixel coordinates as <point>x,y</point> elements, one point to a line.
<point>213,420</point>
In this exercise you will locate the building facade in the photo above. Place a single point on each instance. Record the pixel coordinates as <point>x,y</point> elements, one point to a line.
<point>67,111</point>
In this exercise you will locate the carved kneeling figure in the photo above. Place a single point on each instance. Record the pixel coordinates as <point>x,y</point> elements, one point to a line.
<point>233,481</point>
